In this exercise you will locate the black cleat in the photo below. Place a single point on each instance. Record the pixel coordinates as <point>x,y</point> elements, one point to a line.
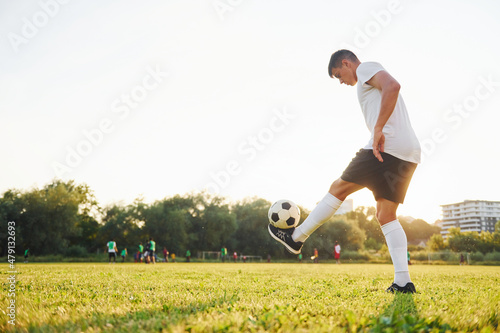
<point>408,289</point>
<point>284,236</point>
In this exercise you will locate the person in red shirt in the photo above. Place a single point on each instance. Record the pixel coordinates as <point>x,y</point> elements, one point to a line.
<point>336,252</point>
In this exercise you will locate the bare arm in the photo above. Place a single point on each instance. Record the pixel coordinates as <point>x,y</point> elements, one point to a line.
<point>389,88</point>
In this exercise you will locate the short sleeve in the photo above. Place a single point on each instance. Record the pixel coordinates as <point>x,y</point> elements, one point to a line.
<point>367,70</point>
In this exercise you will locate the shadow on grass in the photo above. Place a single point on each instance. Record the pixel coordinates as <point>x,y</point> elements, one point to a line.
<point>401,315</point>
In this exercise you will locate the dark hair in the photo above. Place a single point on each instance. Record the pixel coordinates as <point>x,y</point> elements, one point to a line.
<point>337,57</point>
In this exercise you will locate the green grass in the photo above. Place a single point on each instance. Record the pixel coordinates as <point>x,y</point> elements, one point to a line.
<point>179,297</point>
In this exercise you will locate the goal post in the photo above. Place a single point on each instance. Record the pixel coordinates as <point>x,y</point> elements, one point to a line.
<point>448,257</point>
<point>209,255</point>
<point>250,258</point>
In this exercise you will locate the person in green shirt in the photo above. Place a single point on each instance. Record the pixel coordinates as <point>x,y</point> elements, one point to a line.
<point>140,252</point>
<point>26,256</point>
<point>124,254</point>
<point>223,254</point>
<point>111,246</point>
<point>152,248</point>
<point>188,256</point>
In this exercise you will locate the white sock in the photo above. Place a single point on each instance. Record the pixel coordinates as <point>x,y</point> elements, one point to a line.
<point>397,244</point>
<point>323,211</point>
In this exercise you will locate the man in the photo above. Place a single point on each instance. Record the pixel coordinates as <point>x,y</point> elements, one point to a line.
<point>146,252</point>
<point>124,254</point>
<point>165,254</point>
<point>152,249</point>
<point>140,252</point>
<point>385,165</point>
<point>112,250</point>
<point>336,252</point>
<point>223,253</point>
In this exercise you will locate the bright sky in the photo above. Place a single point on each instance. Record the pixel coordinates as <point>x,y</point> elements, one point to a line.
<point>157,98</point>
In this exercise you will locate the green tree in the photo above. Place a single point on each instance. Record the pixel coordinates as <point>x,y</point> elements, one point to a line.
<point>10,209</point>
<point>347,232</point>
<point>419,230</point>
<point>168,222</point>
<point>48,219</point>
<point>437,243</point>
<point>252,236</point>
<point>120,223</point>
<point>463,241</point>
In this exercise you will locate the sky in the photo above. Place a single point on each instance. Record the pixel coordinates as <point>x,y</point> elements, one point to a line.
<point>156,98</point>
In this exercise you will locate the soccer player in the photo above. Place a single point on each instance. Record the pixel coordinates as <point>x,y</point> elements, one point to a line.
<point>385,165</point>
<point>336,252</point>
<point>165,253</point>
<point>140,252</point>
<point>112,250</point>
<point>152,250</point>
<point>124,254</point>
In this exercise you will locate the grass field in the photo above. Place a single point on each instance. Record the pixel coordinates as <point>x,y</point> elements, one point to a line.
<point>178,297</point>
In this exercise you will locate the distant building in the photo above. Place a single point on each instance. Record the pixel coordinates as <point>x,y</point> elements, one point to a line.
<point>470,215</point>
<point>345,207</point>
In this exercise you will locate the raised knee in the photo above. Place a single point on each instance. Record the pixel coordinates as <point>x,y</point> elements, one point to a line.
<point>337,190</point>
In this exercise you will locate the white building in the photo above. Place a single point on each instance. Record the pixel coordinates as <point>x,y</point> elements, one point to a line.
<point>470,215</point>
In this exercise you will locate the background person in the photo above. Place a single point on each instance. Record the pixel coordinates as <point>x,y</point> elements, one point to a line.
<point>165,254</point>
<point>223,253</point>
<point>124,254</point>
<point>315,256</point>
<point>152,250</point>
<point>336,252</point>
<point>146,252</point>
<point>140,252</point>
<point>112,250</point>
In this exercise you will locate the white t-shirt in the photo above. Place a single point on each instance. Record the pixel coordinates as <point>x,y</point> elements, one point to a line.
<point>337,248</point>
<point>111,247</point>
<point>400,139</point>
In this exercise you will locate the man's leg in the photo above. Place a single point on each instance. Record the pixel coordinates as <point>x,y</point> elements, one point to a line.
<point>293,238</point>
<point>395,238</point>
<point>325,209</point>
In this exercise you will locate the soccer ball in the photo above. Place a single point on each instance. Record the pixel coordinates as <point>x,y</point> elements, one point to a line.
<point>284,214</point>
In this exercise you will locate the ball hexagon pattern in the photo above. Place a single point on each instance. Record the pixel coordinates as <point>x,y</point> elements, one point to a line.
<point>284,214</point>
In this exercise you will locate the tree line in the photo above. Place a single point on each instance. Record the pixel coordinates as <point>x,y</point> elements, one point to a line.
<point>66,218</point>
<point>468,241</point>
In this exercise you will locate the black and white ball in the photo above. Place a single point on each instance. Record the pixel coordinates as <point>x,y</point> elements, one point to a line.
<point>284,214</point>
